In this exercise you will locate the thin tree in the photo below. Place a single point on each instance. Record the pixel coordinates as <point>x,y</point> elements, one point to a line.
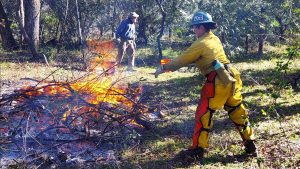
<point>32,20</point>
<point>8,41</point>
<point>78,24</point>
<point>28,39</point>
<point>62,27</point>
<point>162,27</point>
<point>80,40</point>
<point>262,33</point>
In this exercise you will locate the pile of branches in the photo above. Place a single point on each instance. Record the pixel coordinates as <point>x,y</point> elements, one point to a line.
<point>48,115</point>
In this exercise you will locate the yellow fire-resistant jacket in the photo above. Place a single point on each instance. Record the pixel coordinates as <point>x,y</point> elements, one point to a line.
<point>202,52</point>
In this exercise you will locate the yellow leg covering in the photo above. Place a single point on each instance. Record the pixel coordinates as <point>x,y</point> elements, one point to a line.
<point>239,116</point>
<point>222,95</point>
<point>237,112</point>
<point>207,125</point>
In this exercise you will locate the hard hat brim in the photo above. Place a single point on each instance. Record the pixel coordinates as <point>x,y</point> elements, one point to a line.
<point>202,23</point>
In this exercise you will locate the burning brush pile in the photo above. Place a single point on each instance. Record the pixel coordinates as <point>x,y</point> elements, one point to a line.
<point>65,123</point>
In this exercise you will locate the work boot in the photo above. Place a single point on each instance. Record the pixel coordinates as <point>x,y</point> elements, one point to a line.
<point>189,156</point>
<point>196,153</point>
<point>250,147</point>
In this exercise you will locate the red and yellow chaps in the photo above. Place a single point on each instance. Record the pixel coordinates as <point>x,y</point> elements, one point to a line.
<point>214,95</point>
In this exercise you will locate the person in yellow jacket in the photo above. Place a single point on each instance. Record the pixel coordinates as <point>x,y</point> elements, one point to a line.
<point>222,87</point>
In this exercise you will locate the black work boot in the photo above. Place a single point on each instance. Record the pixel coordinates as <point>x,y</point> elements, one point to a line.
<point>250,147</point>
<point>195,153</point>
<point>189,156</point>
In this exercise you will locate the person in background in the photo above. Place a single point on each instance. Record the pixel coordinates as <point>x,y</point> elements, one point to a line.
<point>222,87</point>
<point>125,37</point>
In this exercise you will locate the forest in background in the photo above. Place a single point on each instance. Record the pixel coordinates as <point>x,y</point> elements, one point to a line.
<point>244,27</point>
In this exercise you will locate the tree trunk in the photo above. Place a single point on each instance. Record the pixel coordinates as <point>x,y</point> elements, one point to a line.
<point>262,34</point>
<point>80,39</point>
<point>8,41</point>
<point>21,19</point>
<point>42,41</point>
<point>62,24</point>
<point>261,39</point>
<point>142,32</point>
<point>247,44</point>
<point>281,28</point>
<point>223,37</point>
<point>29,41</point>
<point>162,26</point>
<point>142,26</point>
<point>170,34</point>
<point>32,20</point>
<point>113,27</point>
<point>78,25</point>
<point>260,47</point>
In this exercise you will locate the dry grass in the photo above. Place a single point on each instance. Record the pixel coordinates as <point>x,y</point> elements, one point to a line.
<point>278,138</point>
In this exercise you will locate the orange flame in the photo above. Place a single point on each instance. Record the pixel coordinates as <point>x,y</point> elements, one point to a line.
<point>99,65</point>
<point>165,61</point>
<point>106,55</point>
<point>133,122</point>
<point>101,91</point>
<point>93,88</point>
<point>93,91</point>
<point>103,48</point>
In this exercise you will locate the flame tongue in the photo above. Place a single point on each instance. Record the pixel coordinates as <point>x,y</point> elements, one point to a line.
<point>165,61</point>
<point>105,60</point>
<point>96,92</point>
